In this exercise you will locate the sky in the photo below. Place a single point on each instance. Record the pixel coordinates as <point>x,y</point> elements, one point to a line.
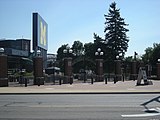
<point>72,20</point>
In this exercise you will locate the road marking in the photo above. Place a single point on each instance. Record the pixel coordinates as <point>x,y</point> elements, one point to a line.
<point>142,115</point>
<point>157,109</point>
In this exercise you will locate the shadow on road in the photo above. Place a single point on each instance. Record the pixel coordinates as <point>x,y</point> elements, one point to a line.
<point>156,99</point>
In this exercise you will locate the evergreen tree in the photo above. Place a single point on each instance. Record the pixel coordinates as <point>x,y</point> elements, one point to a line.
<point>115,33</point>
<point>97,38</point>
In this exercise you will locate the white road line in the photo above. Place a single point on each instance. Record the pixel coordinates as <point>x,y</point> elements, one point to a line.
<point>142,115</point>
<point>157,109</point>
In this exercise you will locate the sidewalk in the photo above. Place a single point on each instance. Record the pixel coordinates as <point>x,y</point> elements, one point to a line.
<point>85,88</point>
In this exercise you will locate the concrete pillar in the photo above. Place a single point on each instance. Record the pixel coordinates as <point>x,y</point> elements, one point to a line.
<point>38,71</point>
<point>67,70</point>
<point>99,70</point>
<point>3,71</point>
<point>133,75</point>
<point>158,71</point>
<point>118,73</point>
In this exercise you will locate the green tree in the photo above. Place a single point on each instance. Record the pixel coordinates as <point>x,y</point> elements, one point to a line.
<point>60,56</point>
<point>97,38</point>
<point>115,33</point>
<point>152,54</point>
<point>155,54</point>
<point>129,59</point>
<point>148,55</point>
<point>77,47</point>
<point>89,50</point>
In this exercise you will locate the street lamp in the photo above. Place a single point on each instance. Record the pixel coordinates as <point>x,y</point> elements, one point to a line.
<point>99,52</point>
<point>68,65</point>
<point>117,57</point>
<point>133,72</point>
<point>1,50</point>
<point>99,62</point>
<point>117,68</point>
<point>158,69</point>
<point>3,69</point>
<point>38,69</point>
<point>68,50</point>
<point>38,52</point>
<point>84,66</point>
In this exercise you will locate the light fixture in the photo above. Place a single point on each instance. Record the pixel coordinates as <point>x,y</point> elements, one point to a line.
<point>1,50</point>
<point>64,51</point>
<point>38,52</point>
<point>99,49</point>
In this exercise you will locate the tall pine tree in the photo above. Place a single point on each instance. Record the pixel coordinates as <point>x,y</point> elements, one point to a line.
<point>115,33</point>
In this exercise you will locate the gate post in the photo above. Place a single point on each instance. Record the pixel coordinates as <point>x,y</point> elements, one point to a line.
<point>67,70</point>
<point>3,71</point>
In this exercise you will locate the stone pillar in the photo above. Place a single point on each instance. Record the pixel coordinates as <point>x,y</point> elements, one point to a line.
<point>148,70</point>
<point>118,72</point>
<point>67,70</point>
<point>133,75</point>
<point>38,71</point>
<point>158,71</point>
<point>99,70</point>
<point>3,71</point>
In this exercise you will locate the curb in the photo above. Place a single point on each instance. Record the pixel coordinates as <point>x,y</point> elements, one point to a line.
<point>78,93</point>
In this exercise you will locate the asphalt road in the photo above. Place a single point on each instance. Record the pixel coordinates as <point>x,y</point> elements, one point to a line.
<point>80,107</point>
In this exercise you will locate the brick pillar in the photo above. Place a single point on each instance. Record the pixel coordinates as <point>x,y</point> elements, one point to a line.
<point>158,71</point>
<point>133,75</point>
<point>3,71</point>
<point>67,70</point>
<point>38,71</point>
<point>118,72</point>
<point>99,70</point>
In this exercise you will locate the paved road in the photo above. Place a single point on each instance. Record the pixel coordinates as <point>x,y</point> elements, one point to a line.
<point>79,107</point>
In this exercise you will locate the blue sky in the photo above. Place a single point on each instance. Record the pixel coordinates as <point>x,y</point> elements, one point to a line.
<point>70,20</point>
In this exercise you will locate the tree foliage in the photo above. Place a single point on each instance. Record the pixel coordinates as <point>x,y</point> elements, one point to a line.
<point>77,48</point>
<point>60,54</point>
<point>148,55</point>
<point>115,32</point>
<point>152,54</point>
<point>114,44</point>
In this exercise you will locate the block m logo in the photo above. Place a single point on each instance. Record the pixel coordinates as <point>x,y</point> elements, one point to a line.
<point>43,33</point>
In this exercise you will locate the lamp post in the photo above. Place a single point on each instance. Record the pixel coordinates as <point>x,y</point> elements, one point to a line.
<point>84,67</point>
<point>133,74</point>
<point>53,65</point>
<point>67,65</point>
<point>38,69</point>
<point>158,69</point>
<point>3,69</point>
<point>117,68</point>
<point>99,65</point>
